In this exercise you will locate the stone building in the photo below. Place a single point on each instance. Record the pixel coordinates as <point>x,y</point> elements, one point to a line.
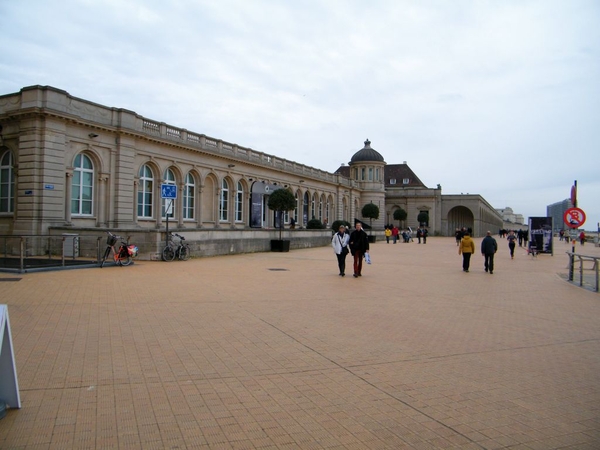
<point>68,165</point>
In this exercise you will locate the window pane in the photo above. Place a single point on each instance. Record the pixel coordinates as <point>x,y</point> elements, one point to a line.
<point>86,207</point>
<point>87,163</point>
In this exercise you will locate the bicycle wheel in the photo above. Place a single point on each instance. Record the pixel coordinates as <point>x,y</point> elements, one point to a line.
<point>106,253</point>
<point>184,252</point>
<point>168,254</point>
<point>125,260</point>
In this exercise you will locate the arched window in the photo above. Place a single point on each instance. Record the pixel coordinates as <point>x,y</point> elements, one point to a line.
<point>320,209</point>
<point>189,197</point>
<point>145,191</point>
<point>296,208</point>
<point>168,203</point>
<point>305,202</point>
<point>7,183</point>
<point>239,202</point>
<point>313,207</point>
<point>82,187</point>
<point>224,202</point>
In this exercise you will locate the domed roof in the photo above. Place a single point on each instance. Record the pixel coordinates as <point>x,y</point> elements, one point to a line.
<point>366,154</point>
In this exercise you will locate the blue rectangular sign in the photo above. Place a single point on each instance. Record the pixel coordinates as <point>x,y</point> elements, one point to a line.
<point>168,191</point>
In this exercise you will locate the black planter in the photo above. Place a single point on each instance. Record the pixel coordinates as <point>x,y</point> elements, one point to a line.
<point>280,245</point>
<point>372,239</point>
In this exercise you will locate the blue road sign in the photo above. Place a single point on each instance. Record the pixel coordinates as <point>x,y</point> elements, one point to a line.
<point>168,191</point>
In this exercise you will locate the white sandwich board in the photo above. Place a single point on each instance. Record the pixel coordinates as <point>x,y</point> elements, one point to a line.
<point>9,386</point>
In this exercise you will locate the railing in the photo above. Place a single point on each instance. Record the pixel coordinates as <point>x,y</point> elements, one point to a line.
<point>27,252</point>
<point>582,259</point>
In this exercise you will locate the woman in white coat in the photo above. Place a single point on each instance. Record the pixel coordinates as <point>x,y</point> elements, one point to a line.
<point>339,242</point>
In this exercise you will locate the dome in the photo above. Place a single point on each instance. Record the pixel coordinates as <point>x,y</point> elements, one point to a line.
<point>366,154</point>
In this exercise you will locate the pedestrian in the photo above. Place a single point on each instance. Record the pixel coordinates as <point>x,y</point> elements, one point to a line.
<point>582,237</point>
<point>388,234</point>
<point>419,234</point>
<point>489,247</point>
<point>395,232</point>
<point>359,245</point>
<point>458,235</point>
<point>511,243</point>
<point>466,248</point>
<point>520,237</point>
<point>339,242</point>
<point>292,223</point>
<point>424,233</point>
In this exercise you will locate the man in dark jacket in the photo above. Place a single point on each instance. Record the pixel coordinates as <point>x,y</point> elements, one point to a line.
<point>489,247</point>
<point>359,245</point>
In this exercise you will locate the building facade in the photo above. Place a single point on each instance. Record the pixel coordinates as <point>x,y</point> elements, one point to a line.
<point>557,212</point>
<point>71,165</point>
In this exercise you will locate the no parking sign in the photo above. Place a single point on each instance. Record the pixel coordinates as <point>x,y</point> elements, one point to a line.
<point>574,217</point>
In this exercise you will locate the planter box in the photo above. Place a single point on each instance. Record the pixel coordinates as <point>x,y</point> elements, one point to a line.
<point>280,245</point>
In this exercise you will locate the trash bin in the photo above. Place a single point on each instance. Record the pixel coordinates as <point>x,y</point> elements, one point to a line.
<point>70,245</point>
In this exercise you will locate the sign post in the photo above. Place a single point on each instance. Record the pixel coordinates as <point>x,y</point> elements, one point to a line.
<point>573,218</point>
<point>169,192</point>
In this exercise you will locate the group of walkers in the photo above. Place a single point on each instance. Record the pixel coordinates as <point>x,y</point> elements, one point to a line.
<point>355,243</point>
<point>489,246</point>
<point>520,235</point>
<point>393,232</point>
<point>562,235</point>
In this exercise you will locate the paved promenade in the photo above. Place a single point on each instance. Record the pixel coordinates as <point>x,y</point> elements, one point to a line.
<point>276,351</point>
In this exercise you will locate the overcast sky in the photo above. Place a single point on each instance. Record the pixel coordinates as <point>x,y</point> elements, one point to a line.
<point>499,98</point>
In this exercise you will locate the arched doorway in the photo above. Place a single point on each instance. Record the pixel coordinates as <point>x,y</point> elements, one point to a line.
<point>459,217</point>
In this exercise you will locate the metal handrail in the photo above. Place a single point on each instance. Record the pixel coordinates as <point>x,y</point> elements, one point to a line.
<point>20,248</point>
<point>582,258</point>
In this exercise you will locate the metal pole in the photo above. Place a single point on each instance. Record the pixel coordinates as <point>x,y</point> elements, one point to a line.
<point>167,214</point>
<point>573,240</point>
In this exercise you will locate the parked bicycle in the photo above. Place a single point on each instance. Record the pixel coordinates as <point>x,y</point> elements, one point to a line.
<point>125,253</point>
<point>173,249</point>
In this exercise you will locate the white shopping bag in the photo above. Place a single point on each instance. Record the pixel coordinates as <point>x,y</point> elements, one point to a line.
<point>368,258</point>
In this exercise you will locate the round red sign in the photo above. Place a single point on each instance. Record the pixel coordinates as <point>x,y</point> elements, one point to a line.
<point>574,217</point>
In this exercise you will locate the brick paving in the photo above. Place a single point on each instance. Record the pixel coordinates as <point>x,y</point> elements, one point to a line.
<point>276,351</point>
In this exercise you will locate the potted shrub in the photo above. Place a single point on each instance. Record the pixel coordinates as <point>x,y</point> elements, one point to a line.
<point>335,226</point>
<point>371,211</point>
<point>314,224</point>
<point>400,215</point>
<point>423,218</point>
<point>281,201</point>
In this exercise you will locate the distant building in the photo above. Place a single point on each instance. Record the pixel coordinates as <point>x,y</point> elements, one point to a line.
<point>557,211</point>
<point>69,166</point>
<point>509,216</point>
